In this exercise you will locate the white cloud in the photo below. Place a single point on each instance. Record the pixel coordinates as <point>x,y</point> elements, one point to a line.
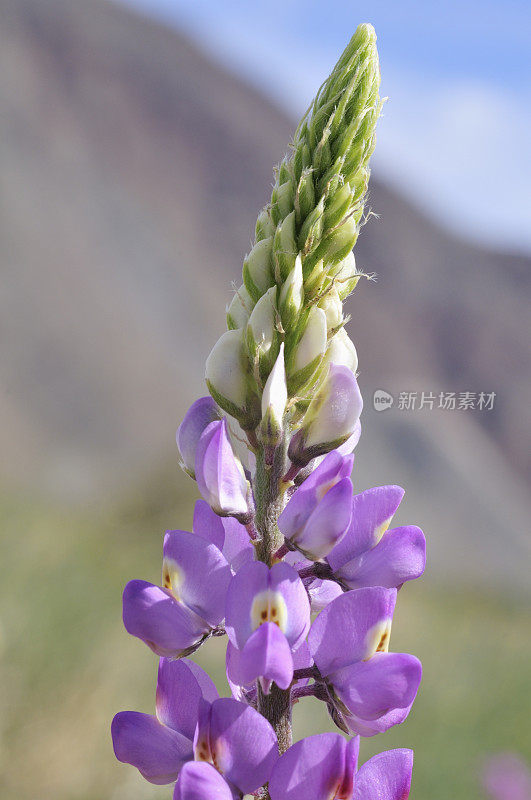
<point>462,149</point>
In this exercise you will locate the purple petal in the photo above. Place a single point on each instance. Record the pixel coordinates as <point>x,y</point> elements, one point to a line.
<point>322,593</point>
<point>400,556</point>
<point>229,535</point>
<point>234,673</point>
<point>386,776</point>
<point>285,581</point>
<point>347,447</point>
<point>197,574</point>
<point>331,418</point>
<point>266,655</point>
<point>219,475</point>
<point>328,523</point>
<point>238,548</point>
<point>302,657</point>
<point>156,751</point>
<point>257,594</point>
<point>372,512</point>
<point>181,685</point>
<point>372,689</point>
<point>200,781</point>
<point>239,742</point>
<point>208,525</point>
<point>351,628</point>
<point>197,418</point>
<point>317,768</point>
<point>166,626</point>
<point>330,471</point>
<point>367,728</point>
<point>250,580</point>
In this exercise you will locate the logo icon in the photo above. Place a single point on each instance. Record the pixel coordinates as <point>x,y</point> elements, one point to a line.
<point>382,400</point>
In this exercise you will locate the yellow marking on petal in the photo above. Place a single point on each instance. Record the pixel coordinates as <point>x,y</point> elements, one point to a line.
<point>380,530</point>
<point>269,606</point>
<point>172,577</point>
<point>377,640</point>
<point>325,487</point>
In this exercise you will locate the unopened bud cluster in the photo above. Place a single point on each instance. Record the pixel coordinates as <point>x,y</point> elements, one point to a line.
<point>301,267</point>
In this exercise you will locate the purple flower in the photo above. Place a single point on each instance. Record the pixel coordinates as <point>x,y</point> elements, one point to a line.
<point>371,555</point>
<point>325,766</point>
<point>158,746</point>
<point>237,741</point>
<point>174,620</point>
<point>197,418</point>
<point>318,514</point>
<point>246,692</point>
<point>201,781</point>
<point>219,474</point>
<point>507,777</point>
<point>331,419</point>
<point>368,689</point>
<point>226,533</point>
<point>192,722</point>
<point>267,619</point>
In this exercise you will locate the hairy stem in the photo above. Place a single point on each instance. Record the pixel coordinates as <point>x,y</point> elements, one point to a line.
<point>275,706</point>
<point>269,502</point>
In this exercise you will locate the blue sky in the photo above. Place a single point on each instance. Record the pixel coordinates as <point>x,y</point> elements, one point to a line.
<point>456,131</point>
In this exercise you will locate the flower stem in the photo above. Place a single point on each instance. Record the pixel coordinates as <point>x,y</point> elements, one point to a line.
<point>275,706</point>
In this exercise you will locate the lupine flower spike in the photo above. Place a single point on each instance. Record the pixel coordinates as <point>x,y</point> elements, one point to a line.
<point>278,533</point>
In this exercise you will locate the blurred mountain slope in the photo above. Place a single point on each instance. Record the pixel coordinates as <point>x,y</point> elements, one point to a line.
<point>132,172</point>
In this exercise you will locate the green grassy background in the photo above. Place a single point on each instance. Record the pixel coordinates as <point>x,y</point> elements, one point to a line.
<point>67,665</point>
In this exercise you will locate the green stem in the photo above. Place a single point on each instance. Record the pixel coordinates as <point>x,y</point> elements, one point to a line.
<point>275,706</point>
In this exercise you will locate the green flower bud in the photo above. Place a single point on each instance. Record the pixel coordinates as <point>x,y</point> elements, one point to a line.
<point>338,244</point>
<point>285,248</point>
<point>304,197</point>
<point>265,226</point>
<point>257,274</point>
<point>291,296</point>
<point>338,207</point>
<point>312,228</point>
<point>282,201</point>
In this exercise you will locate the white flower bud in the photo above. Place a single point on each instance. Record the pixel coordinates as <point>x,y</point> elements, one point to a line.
<point>239,309</point>
<point>292,295</point>
<point>257,274</point>
<point>261,328</point>
<point>341,350</point>
<point>275,395</point>
<point>346,275</point>
<point>224,372</point>
<point>333,308</point>
<point>345,269</point>
<point>313,342</point>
